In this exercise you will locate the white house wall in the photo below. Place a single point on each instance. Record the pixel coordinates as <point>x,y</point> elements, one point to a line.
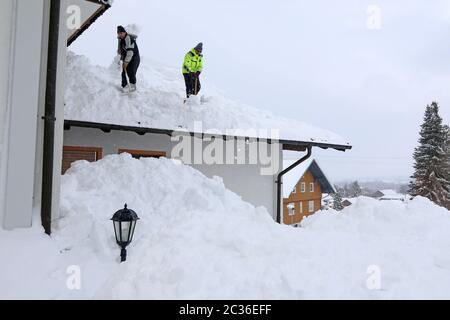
<point>24,86</point>
<point>23,49</point>
<point>245,180</point>
<point>6,10</point>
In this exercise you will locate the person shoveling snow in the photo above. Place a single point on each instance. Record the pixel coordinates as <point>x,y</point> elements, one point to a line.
<point>129,54</point>
<point>192,68</point>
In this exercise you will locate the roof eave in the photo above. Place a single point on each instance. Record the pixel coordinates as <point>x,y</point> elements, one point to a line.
<point>100,11</point>
<point>287,144</point>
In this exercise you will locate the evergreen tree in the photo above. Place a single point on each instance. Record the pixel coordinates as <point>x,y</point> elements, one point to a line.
<point>430,178</point>
<point>447,162</point>
<point>337,201</point>
<point>354,190</point>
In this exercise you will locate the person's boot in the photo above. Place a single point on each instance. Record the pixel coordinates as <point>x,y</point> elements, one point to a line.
<point>126,89</point>
<point>133,87</point>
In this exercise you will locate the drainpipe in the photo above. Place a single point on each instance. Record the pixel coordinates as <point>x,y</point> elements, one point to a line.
<point>280,180</point>
<point>49,118</point>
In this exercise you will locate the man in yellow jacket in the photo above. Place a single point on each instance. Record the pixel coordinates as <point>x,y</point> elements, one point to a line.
<point>192,68</point>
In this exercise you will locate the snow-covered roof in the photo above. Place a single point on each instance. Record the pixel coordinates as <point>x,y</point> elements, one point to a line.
<point>291,178</point>
<point>391,194</point>
<point>93,95</point>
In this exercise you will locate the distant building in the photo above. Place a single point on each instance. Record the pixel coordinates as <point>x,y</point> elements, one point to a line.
<point>303,188</point>
<point>346,203</point>
<point>389,195</point>
<point>378,194</point>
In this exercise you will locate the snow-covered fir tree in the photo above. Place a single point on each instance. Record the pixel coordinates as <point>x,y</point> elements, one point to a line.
<point>447,161</point>
<point>354,190</point>
<point>430,178</point>
<point>337,201</point>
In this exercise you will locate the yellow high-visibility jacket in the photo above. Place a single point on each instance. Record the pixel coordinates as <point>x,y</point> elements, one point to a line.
<point>193,62</point>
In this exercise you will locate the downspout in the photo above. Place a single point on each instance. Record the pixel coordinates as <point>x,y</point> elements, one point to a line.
<point>280,180</point>
<point>49,118</point>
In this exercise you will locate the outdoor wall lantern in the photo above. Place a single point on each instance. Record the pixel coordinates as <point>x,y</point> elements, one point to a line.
<point>124,224</point>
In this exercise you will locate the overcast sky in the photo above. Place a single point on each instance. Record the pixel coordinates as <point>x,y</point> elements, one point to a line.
<point>325,62</point>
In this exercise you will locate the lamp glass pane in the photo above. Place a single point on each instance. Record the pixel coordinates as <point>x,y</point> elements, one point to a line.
<point>117,230</point>
<point>126,228</point>
<point>133,226</point>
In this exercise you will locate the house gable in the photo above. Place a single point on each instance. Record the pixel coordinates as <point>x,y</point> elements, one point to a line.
<point>304,197</point>
<point>290,181</point>
<point>306,180</point>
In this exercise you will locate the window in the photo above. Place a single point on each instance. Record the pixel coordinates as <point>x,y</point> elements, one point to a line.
<point>295,190</point>
<point>72,154</point>
<point>311,187</point>
<point>301,207</point>
<point>291,209</point>
<point>303,186</point>
<point>311,206</point>
<point>137,154</point>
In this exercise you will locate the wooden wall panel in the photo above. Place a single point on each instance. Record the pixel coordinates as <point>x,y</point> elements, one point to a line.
<point>301,200</point>
<point>72,154</point>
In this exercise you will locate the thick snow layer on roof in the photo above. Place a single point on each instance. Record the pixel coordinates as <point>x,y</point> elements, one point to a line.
<point>392,194</point>
<point>197,240</point>
<point>92,94</point>
<point>291,178</point>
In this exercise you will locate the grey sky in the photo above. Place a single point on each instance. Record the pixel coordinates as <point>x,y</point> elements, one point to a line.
<point>316,61</point>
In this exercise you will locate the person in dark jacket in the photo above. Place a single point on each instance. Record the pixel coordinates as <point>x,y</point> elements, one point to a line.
<point>192,68</point>
<point>129,53</point>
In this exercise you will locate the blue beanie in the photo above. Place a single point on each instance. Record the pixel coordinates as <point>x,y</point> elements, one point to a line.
<point>199,47</point>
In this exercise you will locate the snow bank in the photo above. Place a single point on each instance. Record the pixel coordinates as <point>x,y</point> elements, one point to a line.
<point>29,262</point>
<point>197,240</point>
<point>92,94</point>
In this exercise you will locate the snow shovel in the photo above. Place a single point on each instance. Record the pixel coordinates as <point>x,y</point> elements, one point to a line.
<point>128,80</point>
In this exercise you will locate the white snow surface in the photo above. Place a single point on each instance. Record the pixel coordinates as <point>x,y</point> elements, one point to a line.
<point>92,94</point>
<point>197,240</point>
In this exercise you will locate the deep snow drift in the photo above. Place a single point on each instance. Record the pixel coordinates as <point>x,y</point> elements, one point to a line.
<point>198,240</point>
<point>92,94</point>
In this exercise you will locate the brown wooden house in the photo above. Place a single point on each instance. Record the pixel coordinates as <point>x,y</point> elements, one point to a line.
<point>303,188</point>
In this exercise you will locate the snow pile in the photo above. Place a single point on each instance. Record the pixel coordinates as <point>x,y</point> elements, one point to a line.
<point>197,240</point>
<point>92,94</point>
<point>29,265</point>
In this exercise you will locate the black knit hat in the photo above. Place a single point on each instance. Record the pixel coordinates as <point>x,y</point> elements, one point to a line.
<point>121,29</point>
<point>199,47</point>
